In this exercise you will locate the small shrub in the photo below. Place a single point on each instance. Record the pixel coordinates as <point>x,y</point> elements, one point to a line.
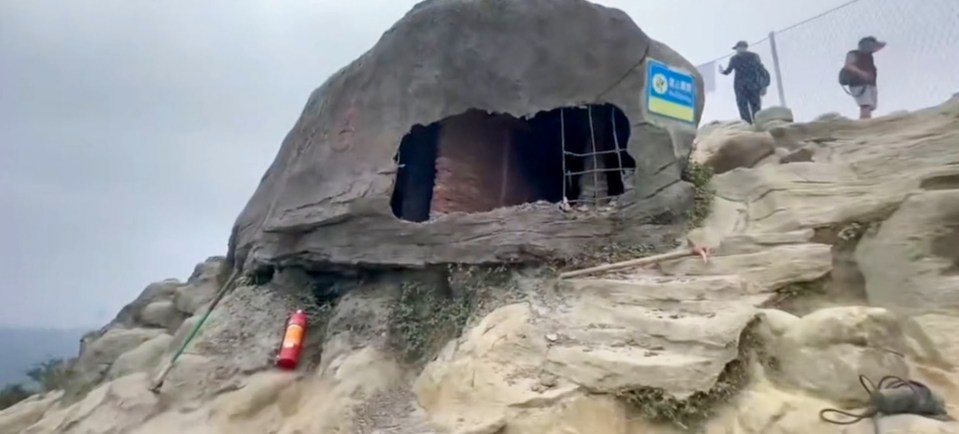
<point>483,288</point>
<point>424,318</point>
<point>430,312</point>
<point>11,395</point>
<point>53,374</point>
<point>699,176</point>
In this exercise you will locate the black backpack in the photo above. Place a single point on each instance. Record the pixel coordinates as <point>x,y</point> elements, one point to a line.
<point>763,77</point>
<point>846,82</point>
<point>845,77</point>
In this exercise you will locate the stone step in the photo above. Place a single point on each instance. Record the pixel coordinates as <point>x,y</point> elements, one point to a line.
<point>612,369</point>
<point>768,269</point>
<point>650,331</point>
<point>645,289</point>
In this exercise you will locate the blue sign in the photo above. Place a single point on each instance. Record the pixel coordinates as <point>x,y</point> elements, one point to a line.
<point>670,93</point>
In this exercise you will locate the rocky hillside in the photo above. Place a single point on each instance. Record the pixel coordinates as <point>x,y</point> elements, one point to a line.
<point>839,263</point>
<point>834,253</point>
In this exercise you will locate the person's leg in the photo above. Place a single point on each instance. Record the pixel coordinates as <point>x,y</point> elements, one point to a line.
<point>755,103</point>
<point>743,104</point>
<point>866,99</point>
<point>873,93</point>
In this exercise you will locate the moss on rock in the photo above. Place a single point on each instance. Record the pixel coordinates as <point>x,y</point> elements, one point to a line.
<point>700,176</point>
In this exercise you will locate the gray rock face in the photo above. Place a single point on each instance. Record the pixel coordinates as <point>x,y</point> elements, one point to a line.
<point>130,315</point>
<point>201,287</point>
<point>144,357</point>
<point>770,117</point>
<point>95,361</point>
<point>831,116</point>
<point>326,197</point>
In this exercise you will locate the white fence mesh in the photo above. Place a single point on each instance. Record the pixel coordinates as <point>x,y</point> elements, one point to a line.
<point>918,68</point>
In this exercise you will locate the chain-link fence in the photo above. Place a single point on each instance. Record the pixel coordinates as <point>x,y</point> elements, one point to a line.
<point>918,68</point>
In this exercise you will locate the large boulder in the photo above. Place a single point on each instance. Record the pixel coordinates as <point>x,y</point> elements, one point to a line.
<point>675,335</point>
<point>735,149</point>
<point>99,355</point>
<point>142,358</point>
<point>115,407</point>
<point>202,285</point>
<point>825,351</point>
<point>911,264</point>
<point>27,412</point>
<point>326,198</point>
<point>130,315</point>
<point>162,314</point>
<point>772,117</point>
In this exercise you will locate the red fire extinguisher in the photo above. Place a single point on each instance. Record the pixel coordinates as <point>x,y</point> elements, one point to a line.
<point>292,346</point>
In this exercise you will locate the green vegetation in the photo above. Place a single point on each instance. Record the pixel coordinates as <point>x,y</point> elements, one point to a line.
<point>53,374</point>
<point>699,176</point>
<point>12,394</point>
<point>433,308</point>
<point>424,318</point>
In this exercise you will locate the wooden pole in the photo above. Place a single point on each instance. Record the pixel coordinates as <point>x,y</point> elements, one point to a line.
<point>158,382</point>
<point>628,264</point>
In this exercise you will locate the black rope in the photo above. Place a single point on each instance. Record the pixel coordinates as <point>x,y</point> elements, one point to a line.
<point>872,411</point>
<point>856,417</point>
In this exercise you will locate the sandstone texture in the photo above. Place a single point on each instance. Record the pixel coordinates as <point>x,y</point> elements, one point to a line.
<point>824,269</point>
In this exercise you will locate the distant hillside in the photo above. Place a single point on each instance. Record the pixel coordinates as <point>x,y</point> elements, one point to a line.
<point>21,348</point>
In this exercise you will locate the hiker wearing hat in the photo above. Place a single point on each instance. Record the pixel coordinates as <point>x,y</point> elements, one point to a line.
<point>859,73</point>
<point>751,80</point>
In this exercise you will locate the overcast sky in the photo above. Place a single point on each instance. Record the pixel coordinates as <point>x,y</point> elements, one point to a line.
<point>133,132</point>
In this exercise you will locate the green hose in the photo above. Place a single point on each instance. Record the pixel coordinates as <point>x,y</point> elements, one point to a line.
<point>196,330</point>
<point>158,383</point>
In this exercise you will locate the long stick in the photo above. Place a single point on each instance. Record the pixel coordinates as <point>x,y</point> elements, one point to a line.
<point>593,157</point>
<point>627,264</point>
<point>158,382</point>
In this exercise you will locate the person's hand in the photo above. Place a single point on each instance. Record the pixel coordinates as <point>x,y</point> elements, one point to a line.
<point>702,251</point>
<point>721,69</point>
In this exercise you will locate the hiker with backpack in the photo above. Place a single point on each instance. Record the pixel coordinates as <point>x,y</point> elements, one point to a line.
<point>751,80</point>
<point>859,74</point>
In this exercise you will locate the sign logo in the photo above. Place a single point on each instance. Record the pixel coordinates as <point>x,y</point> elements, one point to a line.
<point>670,92</point>
<point>660,84</point>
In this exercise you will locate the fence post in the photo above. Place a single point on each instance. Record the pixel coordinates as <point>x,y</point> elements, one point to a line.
<point>779,74</point>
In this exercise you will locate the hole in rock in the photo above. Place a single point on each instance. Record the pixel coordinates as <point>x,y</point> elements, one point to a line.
<point>946,245</point>
<point>945,182</point>
<point>263,275</point>
<point>327,288</point>
<point>478,161</point>
<point>845,285</point>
